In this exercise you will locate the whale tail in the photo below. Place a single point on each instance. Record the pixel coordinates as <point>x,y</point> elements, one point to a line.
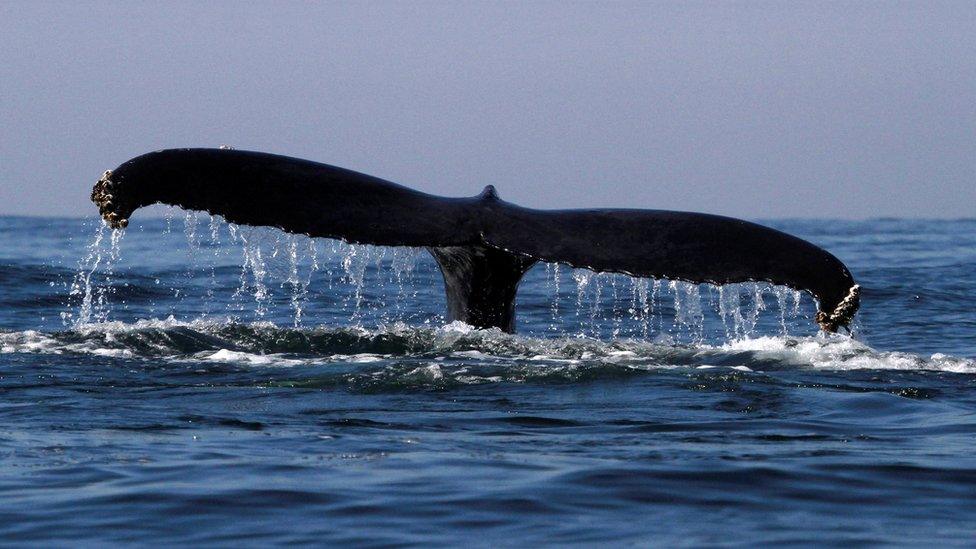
<point>480,283</point>
<point>482,244</point>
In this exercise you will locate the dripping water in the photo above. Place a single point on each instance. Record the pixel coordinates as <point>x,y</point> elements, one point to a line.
<point>279,273</point>
<point>82,285</point>
<point>91,287</point>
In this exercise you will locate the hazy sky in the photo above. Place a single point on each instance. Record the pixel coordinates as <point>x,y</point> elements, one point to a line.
<point>750,109</point>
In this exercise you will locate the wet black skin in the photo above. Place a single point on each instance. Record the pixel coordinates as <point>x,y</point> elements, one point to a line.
<point>483,244</point>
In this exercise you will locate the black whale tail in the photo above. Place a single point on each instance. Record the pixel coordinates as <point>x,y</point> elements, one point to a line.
<point>483,244</point>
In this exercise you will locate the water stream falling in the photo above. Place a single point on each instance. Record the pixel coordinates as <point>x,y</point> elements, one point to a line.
<point>93,283</point>
<point>82,285</point>
<point>373,286</point>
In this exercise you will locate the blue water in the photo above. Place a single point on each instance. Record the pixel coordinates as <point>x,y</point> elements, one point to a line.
<point>192,382</point>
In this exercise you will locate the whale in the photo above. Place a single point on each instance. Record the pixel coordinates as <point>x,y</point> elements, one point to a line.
<point>482,244</point>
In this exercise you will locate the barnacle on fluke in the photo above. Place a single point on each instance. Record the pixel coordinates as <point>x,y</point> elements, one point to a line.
<point>102,195</point>
<point>482,244</point>
<point>843,313</point>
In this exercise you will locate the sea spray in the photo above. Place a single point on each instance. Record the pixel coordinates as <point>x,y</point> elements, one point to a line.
<point>253,267</point>
<point>90,286</point>
<point>730,310</point>
<point>582,277</point>
<point>298,286</point>
<point>688,314</point>
<point>556,296</point>
<point>641,305</point>
<point>354,264</point>
<point>214,244</point>
<point>403,265</point>
<point>280,273</point>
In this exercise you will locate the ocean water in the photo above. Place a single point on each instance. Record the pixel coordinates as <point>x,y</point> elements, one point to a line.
<point>192,382</point>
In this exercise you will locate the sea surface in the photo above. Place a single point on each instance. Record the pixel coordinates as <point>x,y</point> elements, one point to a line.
<point>195,383</point>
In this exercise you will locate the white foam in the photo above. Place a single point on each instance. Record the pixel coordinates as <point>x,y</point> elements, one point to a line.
<point>429,371</point>
<point>470,354</point>
<point>837,352</point>
<point>459,340</point>
<point>360,358</point>
<point>34,342</point>
<point>29,341</point>
<point>238,357</point>
<point>457,327</point>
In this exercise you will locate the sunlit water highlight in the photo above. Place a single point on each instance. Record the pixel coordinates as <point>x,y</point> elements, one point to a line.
<point>195,381</point>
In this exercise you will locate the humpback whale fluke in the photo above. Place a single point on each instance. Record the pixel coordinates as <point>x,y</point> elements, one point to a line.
<point>482,244</point>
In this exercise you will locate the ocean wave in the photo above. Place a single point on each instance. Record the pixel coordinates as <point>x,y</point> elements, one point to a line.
<point>426,351</point>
